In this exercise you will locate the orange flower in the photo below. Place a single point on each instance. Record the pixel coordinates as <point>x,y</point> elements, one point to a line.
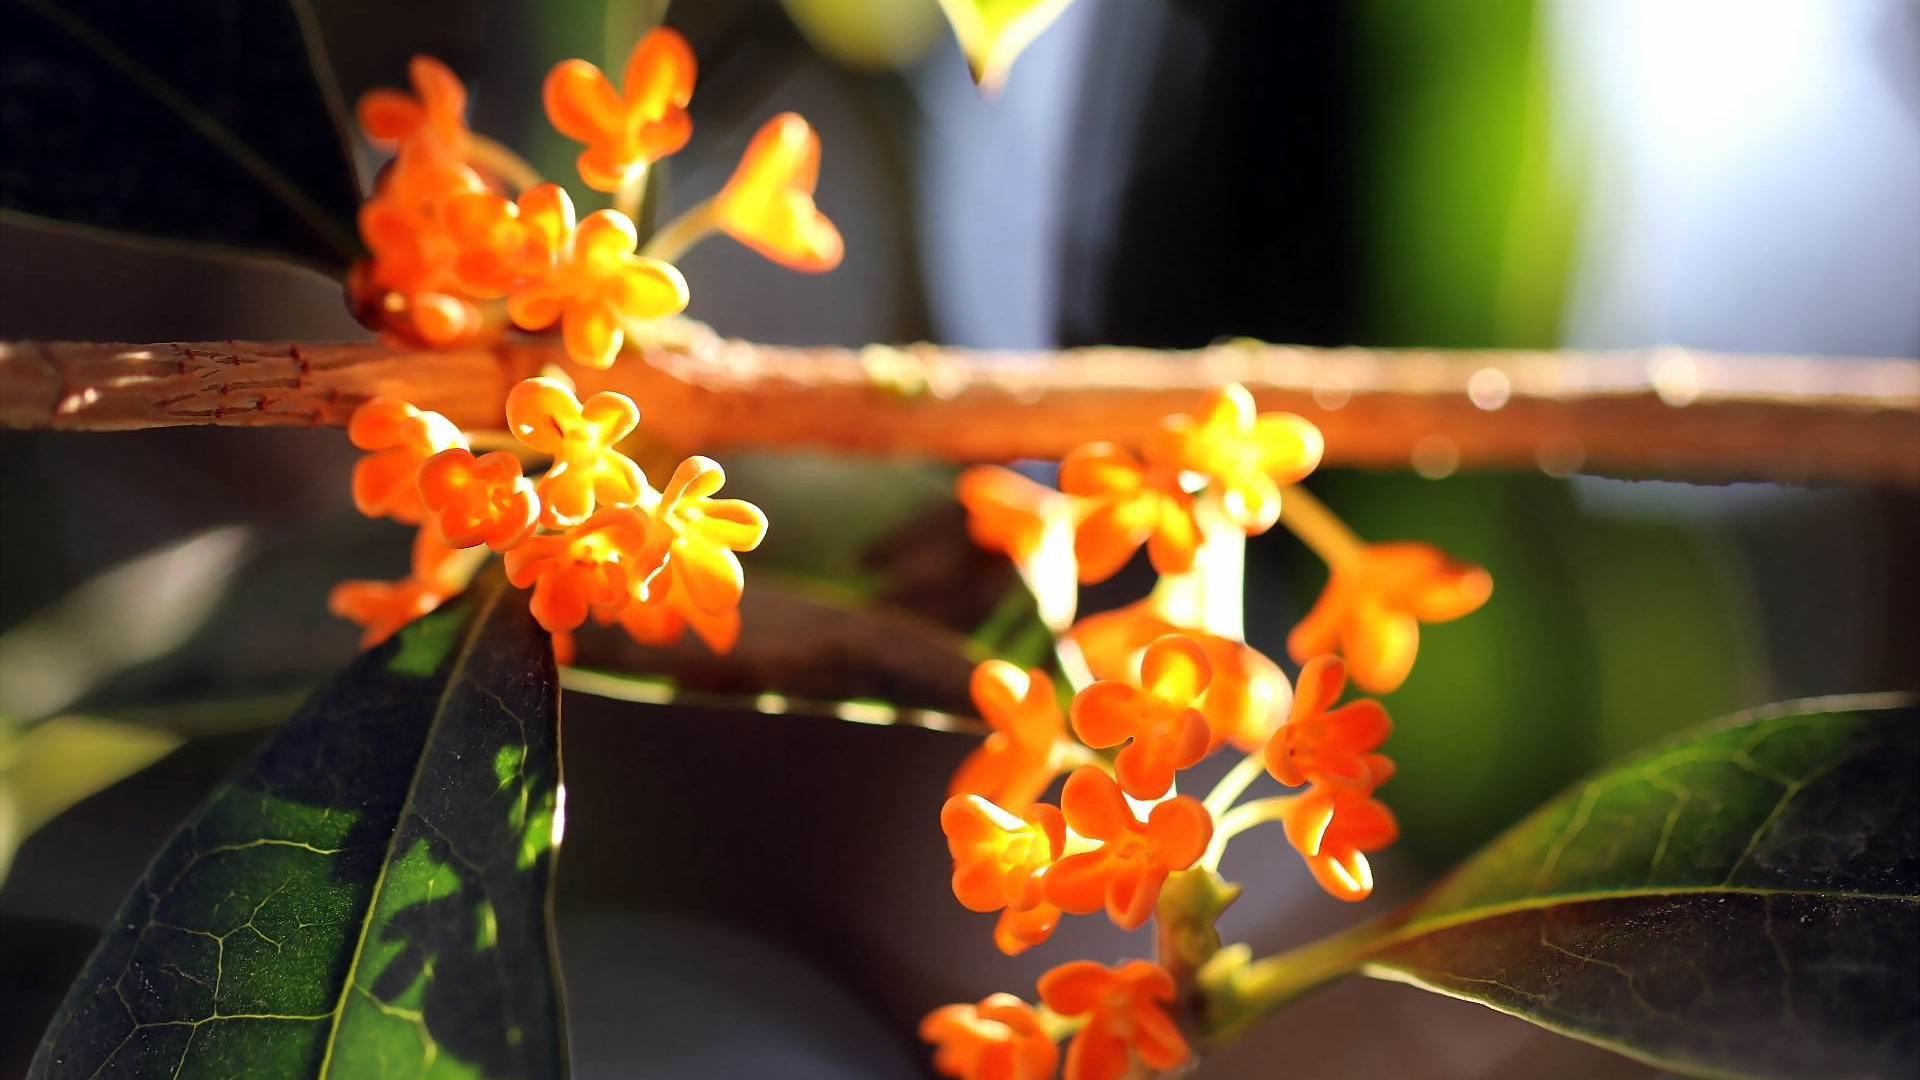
<point>588,567</point>
<point>702,534</point>
<point>1126,1011</point>
<point>1332,829</point>
<point>1374,603</point>
<point>545,415</point>
<point>482,500</point>
<point>399,439</point>
<point>1033,524</point>
<point>404,223</point>
<point>382,607</point>
<point>1132,503</point>
<point>635,126</point>
<point>1324,745</point>
<point>1124,874</point>
<point>596,283</point>
<point>437,107</point>
<point>1244,700</point>
<point>1019,759</point>
<point>1018,931</point>
<point>504,243</point>
<point>1245,457</point>
<point>998,1039</point>
<point>410,282</point>
<point>1167,733</point>
<point>768,204</point>
<point>663,617</point>
<point>999,858</point>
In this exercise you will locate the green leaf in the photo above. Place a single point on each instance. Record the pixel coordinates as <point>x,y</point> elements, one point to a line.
<point>993,33</point>
<point>1744,901</point>
<point>206,121</point>
<point>367,896</point>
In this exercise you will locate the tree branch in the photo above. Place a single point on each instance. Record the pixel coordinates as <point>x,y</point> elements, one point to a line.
<point>1663,411</point>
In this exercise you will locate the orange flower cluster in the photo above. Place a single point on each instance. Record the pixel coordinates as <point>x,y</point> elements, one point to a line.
<point>1163,695</point>
<point>1118,1013</point>
<point>590,536</point>
<point>453,260</point>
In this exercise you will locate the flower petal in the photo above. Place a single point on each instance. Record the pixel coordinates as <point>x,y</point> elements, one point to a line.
<point>1175,669</point>
<point>581,103</point>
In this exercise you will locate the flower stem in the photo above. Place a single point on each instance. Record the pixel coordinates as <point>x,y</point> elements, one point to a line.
<point>633,192</point>
<point>496,158</point>
<point>1241,993</point>
<point>676,237</point>
<point>1234,783</point>
<point>1318,527</point>
<point>1238,820</point>
<point>1211,596</point>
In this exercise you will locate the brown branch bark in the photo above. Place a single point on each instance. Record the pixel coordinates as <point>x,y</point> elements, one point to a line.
<point>1664,411</point>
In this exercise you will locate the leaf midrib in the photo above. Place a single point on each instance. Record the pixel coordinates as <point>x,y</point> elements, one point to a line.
<point>1421,928</point>
<point>481,617</point>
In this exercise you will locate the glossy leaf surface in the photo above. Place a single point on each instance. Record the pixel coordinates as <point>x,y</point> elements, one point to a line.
<point>367,896</point>
<point>1744,901</point>
<point>207,122</point>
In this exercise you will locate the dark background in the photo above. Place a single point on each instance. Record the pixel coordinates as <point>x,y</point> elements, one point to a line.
<point>761,896</point>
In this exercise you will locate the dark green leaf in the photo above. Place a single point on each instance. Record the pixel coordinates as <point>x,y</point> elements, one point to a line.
<point>367,896</point>
<point>205,121</point>
<point>1744,901</point>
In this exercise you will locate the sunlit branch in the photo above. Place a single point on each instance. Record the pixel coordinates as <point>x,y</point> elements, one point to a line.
<point>1665,412</point>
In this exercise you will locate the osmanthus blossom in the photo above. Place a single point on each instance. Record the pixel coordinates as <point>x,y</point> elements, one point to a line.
<point>1373,605</point>
<point>382,607</point>
<point>1034,525</point>
<point>1129,502</point>
<point>398,439</point>
<point>702,534</point>
<point>596,284</point>
<point>1130,858</point>
<point>1246,458</point>
<point>1162,696</point>
<point>437,107</point>
<point>1332,828</point>
<point>664,614</point>
<point>545,416</point>
<point>1024,748</point>
<point>1000,1038</point>
<point>1156,719</point>
<point>1246,697</point>
<point>631,127</point>
<point>1126,1016</point>
<point>446,243</point>
<point>478,500</point>
<point>1321,744</point>
<point>768,202</point>
<point>589,567</point>
<point>410,279</point>
<point>1000,858</point>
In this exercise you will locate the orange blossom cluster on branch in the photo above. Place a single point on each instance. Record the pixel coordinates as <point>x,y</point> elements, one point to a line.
<point>1164,690</point>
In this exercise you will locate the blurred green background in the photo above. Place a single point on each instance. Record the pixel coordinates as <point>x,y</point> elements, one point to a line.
<point>1741,176</point>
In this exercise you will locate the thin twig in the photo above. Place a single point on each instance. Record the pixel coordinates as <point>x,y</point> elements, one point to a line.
<point>1668,411</point>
